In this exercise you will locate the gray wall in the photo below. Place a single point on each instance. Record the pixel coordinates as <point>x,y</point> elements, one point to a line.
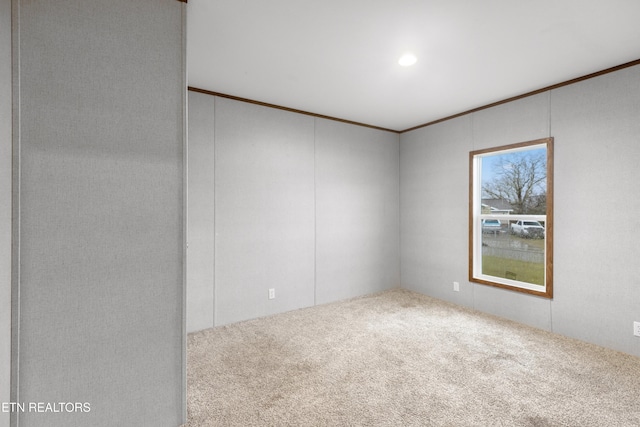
<point>433,196</point>
<point>100,239</point>
<point>201,212</point>
<point>357,211</point>
<point>597,273</point>
<point>264,210</point>
<point>306,206</point>
<point>597,151</point>
<point>5,206</point>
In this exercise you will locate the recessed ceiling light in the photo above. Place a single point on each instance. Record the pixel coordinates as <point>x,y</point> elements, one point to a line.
<point>407,60</point>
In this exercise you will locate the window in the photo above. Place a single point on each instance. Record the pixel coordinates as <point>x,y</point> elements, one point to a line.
<point>511,217</point>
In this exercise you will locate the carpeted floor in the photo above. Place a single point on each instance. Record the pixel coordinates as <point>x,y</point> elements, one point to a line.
<point>399,358</point>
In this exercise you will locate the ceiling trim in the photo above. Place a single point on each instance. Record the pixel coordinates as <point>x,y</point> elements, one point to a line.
<point>484,107</point>
<point>525,95</point>
<point>292,110</point>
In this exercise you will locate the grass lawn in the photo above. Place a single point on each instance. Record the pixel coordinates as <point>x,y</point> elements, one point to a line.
<point>523,271</point>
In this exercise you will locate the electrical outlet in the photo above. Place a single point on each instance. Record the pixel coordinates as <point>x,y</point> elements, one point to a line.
<point>456,286</point>
<point>636,329</point>
<point>272,293</point>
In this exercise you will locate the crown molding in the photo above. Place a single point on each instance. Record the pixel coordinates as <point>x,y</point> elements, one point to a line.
<point>525,95</point>
<point>293,110</point>
<point>484,107</point>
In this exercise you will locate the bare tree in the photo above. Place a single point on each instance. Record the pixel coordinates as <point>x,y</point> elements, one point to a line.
<point>520,179</point>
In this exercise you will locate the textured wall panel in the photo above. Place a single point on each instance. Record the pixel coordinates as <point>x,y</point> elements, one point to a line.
<point>434,209</point>
<point>597,149</point>
<point>264,207</point>
<point>357,211</point>
<point>201,212</point>
<point>596,124</point>
<point>101,191</point>
<point>526,119</point>
<point>523,120</point>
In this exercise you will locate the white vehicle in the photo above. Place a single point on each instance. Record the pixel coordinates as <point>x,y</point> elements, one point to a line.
<point>527,228</point>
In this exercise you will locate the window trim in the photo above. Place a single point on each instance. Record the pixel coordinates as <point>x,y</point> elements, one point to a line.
<point>475,219</point>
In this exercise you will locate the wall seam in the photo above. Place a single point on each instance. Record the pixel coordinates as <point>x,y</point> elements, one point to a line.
<point>15,232</point>
<point>185,211</point>
<point>399,215</point>
<point>473,148</point>
<point>553,253</point>
<point>315,216</point>
<point>215,216</point>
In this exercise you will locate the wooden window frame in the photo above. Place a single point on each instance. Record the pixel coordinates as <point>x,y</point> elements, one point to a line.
<point>476,216</point>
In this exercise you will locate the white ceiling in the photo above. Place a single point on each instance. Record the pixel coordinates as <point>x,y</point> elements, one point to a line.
<point>339,57</point>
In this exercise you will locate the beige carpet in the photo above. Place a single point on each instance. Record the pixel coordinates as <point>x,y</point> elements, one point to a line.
<point>402,359</point>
